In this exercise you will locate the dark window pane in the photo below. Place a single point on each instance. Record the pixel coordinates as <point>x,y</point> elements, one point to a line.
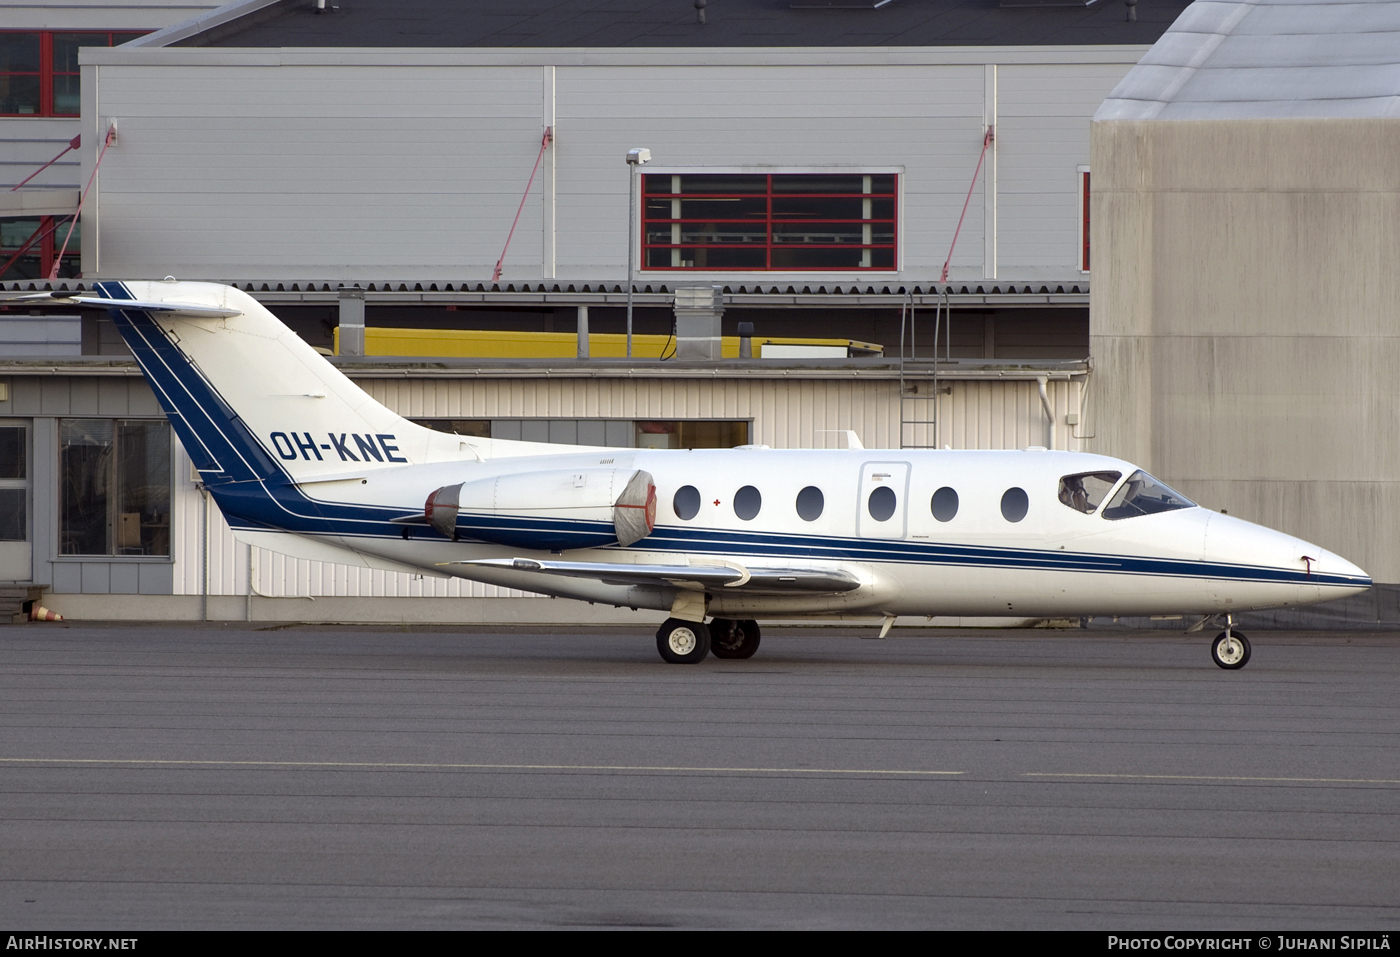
<point>67,98</point>
<point>818,184</point>
<point>687,502</point>
<point>719,257</point>
<point>724,184</point>
<point>882,183</point>
<point>1014,504</point>
<point>19,53</point>
<point>12,521</point>
<point>143,502</point>
<point>730,207</point>
<point>810,503</point>
<point>818,207</point>
<point>119,38</point>
<point>85,475</point>
<point>747,502</point>
<point>12,453</point>
<point>944,504</point>
<point>65,49</point>
<point>19,94</point>
<point>881,503</point>
<point>816,257</point>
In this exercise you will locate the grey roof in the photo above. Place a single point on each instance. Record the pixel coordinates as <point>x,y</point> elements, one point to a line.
<point>673,23</point>
<point>1244,59</point>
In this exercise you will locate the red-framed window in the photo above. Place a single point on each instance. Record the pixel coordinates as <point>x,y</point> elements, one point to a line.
<point>769,221</point>
<point>28,247</point>
<point>39,69</point>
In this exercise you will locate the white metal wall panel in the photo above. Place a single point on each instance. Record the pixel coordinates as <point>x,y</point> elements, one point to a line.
<point>407,167</point>
<point>1042,137</point>
<point>339,171</point>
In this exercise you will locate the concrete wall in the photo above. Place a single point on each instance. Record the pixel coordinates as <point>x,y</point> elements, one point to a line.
<point>406,164</point>
<point>1244,320</point>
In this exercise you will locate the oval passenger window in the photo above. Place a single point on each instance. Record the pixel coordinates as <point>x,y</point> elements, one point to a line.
<point>687,502</point>
<point>881,503</point>
<point>747,502</point>
<point>1015,504</point>
<point>945,504</point>
<point>810,503</point>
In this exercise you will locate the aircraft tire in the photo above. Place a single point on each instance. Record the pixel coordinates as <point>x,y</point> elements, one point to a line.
<point>733,639</point>
<point>1231,651</point>
<point>683,642</point>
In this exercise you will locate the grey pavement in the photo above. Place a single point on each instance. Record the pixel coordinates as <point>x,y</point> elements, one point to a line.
<point>174,776</point>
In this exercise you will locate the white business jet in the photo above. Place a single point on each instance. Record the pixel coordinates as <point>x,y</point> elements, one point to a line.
<point>300,460</point>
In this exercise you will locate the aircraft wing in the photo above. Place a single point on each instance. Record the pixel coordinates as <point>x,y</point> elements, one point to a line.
<point>197,310</point>
<point>738,577</point>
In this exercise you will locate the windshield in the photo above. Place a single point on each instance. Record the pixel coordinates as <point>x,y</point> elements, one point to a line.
<point>1086,491</point>
<point>1142,494</point>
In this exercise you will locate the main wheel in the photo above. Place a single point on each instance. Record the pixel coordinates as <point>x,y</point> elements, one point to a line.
<point>1230,651</point>
<point>683,642</point>
<point>733,639</point>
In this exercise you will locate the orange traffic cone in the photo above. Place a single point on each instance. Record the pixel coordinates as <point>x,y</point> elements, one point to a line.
<point>38,612</point>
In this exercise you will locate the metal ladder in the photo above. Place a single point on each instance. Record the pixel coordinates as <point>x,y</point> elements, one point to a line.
<point>911,413</point>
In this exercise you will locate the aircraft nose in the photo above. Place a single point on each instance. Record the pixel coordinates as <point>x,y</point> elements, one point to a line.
<point>1322,575</point>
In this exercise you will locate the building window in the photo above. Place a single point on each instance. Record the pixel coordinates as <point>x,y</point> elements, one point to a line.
<point>609,433</point>
<point>14,483</point>
<point>755,221</point>
<point>115,481</point>
<point>1083,219</point>
<point>39,70</point>
<point>28,247</point>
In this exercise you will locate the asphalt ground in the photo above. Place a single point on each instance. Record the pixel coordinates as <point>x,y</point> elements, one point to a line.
<point>163,776</point>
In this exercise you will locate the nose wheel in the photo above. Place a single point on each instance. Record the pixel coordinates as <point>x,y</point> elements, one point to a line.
<point>1230,650</point>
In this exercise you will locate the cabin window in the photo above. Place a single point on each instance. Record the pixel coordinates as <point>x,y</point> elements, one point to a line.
<point>944,504</point>
<point>747,502</point>
<point>881,503</point>
<point>1086,491</point>
<point>810,503</point>
<point>1014,504</point>
<point>753,221</point>
<point>1142,494</point>
<point>686,504</point>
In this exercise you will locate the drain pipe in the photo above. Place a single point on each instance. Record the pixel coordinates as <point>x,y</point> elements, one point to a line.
<point>1049,412</point>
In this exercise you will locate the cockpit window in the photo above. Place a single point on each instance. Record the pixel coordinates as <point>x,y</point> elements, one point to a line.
<point>1086,491</point>
<point>1142,494</point>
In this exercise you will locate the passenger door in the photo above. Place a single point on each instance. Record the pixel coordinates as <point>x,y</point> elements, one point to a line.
<point>882,506</point>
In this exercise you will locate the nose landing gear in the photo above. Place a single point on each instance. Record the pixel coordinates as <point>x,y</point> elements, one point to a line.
<point>1230,650</point>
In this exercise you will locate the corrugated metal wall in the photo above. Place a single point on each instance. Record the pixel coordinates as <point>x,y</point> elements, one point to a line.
<point>785,414</point>
<point>410,165</point>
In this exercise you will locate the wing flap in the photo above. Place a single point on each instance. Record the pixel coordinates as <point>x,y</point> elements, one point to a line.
<point>780,580</point>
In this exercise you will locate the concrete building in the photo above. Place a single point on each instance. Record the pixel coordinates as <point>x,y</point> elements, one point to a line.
<point>811,168</point>
<point>1246,222</point>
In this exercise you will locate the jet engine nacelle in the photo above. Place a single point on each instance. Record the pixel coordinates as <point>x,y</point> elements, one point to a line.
<point>554,510</point>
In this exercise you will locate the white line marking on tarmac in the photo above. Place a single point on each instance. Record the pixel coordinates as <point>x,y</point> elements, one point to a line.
<point>1211,777</point>
<point>470,767</point>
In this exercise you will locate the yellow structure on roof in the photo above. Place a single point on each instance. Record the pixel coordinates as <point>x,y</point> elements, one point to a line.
<point>490,344</point>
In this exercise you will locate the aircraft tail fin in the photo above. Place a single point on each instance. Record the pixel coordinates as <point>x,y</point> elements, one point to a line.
<point>250,400</point>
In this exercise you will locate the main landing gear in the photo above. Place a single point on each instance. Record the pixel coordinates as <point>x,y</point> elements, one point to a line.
<point>1230,650</point>
<point>688,642</point>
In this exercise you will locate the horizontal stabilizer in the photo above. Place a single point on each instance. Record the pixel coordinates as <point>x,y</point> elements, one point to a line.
<point>195,310</point>
<point>779,580</point>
